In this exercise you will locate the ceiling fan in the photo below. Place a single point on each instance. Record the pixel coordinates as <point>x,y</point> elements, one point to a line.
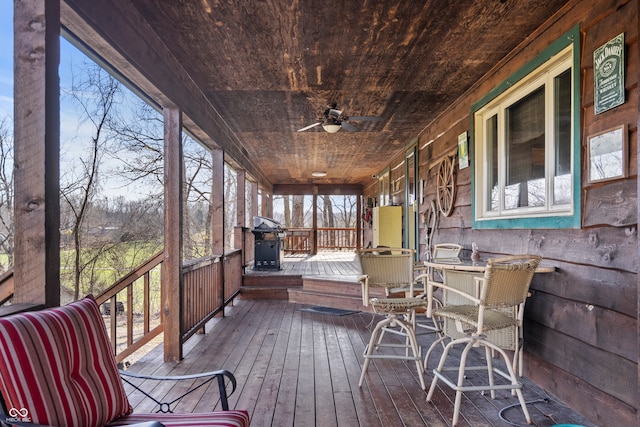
<point>335,119</point>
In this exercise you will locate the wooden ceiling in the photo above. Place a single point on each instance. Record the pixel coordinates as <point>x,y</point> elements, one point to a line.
<point>271,67</point>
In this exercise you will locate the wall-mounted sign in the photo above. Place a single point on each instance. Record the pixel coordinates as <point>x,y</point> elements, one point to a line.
<point>608,66</point>
<point>463,151</point>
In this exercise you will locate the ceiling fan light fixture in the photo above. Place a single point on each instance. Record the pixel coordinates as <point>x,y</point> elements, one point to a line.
<point>318,173</point>
<point>331,126</point>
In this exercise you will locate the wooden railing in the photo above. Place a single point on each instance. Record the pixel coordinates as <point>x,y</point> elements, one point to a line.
<point>132,307</point>
<point>6,287</point>
<point>204,280</point>
<point>337,238</point>
<point>120,301</point>
<point>300,240</point>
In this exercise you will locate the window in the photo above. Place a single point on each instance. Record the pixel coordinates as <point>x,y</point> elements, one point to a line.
<point>526,143</point>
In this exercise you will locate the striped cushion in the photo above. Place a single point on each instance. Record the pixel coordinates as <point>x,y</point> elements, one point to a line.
<point>57,365</point>
<point>237,418</point>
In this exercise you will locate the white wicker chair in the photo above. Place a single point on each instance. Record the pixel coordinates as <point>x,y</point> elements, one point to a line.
<point>440,251</point>
<point>504,286</point>
<point>392,270</point>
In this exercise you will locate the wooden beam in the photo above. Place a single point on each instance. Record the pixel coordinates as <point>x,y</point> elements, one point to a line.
<point>172,268</point>
<point>37,152</point>
<point>267,206</point>
<point>322,189</point>
<point>254,199</point>
<point>314,250</point>
<point>359,223</point>
<point>217,202</point>
<point>241,198</point>
<point>241,204</point>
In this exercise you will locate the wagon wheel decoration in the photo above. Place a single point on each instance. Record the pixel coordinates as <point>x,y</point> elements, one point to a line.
<point>446,186</point>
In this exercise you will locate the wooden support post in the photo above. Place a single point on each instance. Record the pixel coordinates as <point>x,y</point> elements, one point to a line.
<point>254,200</point>
<point>37,152</point>
<point>241,195</point>
<point>267,206</point>
<point>314,249</point>
<point>359,222</point>
<point>172,271</point>
<point>217,202</point>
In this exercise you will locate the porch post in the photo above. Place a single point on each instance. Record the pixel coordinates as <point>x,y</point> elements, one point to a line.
<point>37,152</point>
<point>254,200</point>
<point>314,232</point>
<point>241,194</point>
<point>637,246</point>
<point>359,222</point>
<point>172,265</point>
<point>266,204</point>
<point>217,202</point>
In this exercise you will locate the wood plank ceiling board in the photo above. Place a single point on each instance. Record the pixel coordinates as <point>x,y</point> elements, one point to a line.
<point>272,67</point>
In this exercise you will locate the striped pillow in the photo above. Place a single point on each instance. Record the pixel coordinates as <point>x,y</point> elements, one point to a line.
<point>56,367</point>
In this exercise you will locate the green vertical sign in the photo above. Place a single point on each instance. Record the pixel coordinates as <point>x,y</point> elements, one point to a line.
<point>608,67</point>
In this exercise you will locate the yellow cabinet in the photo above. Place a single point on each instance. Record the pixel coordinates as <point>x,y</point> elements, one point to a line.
<point>387,226</point>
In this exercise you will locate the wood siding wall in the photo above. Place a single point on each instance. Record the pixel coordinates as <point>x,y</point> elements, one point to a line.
<point>581,322</point>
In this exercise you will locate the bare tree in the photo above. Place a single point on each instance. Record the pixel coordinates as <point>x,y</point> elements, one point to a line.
<point>141,153</point>
<point>95,95</point>
<point>6,195</point>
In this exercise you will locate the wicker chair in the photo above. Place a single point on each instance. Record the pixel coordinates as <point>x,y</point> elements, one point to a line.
<point>392,270</point>
<point>504,286</point>
<point>440,251</point>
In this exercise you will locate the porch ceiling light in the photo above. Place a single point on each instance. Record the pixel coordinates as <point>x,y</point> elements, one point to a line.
<point>318,173</point>
<point>331,125</point>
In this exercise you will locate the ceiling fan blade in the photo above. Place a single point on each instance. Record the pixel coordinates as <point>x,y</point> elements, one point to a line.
<point>366,118</point>
<point>309,127</point>
<point>349,127</point>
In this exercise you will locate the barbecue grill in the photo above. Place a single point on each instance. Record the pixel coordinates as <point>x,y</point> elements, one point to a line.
<point>269,244</point>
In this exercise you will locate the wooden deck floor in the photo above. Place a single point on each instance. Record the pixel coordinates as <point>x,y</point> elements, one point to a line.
<point>342,263</point>
<point>296,368</point>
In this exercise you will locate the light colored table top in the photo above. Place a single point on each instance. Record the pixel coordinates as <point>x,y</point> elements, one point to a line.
<point>466,264</point>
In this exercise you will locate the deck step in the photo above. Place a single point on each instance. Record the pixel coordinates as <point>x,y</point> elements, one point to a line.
<point>264,292</point>
<point>267,280</point>
<point>331,291</point>
<point>345,302</point>
<point>267,285</point>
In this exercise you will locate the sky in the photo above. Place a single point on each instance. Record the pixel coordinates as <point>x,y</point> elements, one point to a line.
<point>72,132</point>
<point>6,58</point>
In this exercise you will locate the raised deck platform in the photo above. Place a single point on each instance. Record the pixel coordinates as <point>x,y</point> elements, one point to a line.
<point>329,279</point>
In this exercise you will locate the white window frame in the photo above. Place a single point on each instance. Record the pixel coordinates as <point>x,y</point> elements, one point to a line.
<point>541,71</point>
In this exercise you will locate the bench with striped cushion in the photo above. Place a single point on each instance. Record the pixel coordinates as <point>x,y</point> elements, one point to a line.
<point>56,368</point>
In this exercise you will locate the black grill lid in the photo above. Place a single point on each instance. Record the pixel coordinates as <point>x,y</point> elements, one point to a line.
<point>264,223</point>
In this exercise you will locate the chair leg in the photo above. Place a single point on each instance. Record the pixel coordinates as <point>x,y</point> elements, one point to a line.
<point>489,354</point>
<point>411,342</point>
<point>443,358</point>
<point>373,343</point>
<point>515,383</point>
<point>442,339</point>
<point>411,335</point>
<point>460,387</point>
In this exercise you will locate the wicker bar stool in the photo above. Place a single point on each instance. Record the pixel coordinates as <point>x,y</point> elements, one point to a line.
<point>392,270</point>
<point>505,285</point>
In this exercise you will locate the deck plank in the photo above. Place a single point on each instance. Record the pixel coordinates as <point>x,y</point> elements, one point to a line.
<point>298,368</point>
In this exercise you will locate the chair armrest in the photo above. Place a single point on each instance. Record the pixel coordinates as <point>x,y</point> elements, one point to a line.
<point>218,375</point>
<point>364,282</point>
